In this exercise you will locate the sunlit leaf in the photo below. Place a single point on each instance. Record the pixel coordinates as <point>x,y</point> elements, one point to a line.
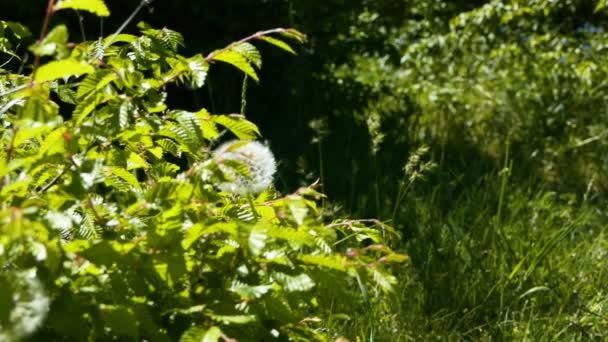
<point>97,7</point>
<point>62,69</point>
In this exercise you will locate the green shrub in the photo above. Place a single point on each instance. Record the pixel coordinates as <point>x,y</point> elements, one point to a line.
<point>113,225</point>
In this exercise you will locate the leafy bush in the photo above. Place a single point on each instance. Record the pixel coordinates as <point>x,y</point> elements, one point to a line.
<point>113,225</point>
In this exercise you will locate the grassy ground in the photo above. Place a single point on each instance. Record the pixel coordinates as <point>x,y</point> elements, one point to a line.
<point>501,258</point>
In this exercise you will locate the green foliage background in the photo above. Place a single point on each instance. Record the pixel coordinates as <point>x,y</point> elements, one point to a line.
<point>503,215</point>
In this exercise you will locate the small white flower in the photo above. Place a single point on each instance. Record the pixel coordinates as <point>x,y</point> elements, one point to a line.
<point>259,161</point>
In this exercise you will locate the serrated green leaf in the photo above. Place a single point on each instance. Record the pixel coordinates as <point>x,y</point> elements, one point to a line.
<point>210,130</point>
<point>126,176</point>
<point>383,279</point>
<point>248,292</point>
<point>28,131</point>
<point>236,59</point>
<point>330,261</point>
<point>66,94</point>
<point>84,108</point>
<point>62,69</point>
<point>194,334</point>
<point>294,34</point>
<point>301,282</point>
<point>278,43</point>
<point>55,42</point>
<point>197,231</point>
<point>95,82</point>
<point>241,127</point>
<point>198,67</point>
<point>18,29</point>
<point>39,108</point>
<point>250,52</point>
<point>200,334</point>
<point>136,161</point>
<point>97,7</point>
<point>119,38</point>
<point>232,319</point>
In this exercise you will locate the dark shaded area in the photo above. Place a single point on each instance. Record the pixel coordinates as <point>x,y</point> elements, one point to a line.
<point>293,89</point>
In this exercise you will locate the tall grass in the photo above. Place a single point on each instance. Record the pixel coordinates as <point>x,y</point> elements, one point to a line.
<point>500,258</point>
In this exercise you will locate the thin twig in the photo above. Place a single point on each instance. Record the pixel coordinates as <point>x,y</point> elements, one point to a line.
<point>12,56</point>
<point>14,90</point>
<point>11,148</point>
<point>81,24</point>
<point>128,21</point>
<point>45,27</point>
<point>53,182</point>
<point>256,35</point>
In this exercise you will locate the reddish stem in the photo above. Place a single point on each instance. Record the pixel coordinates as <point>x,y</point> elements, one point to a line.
<point>50,8</point>
<point>256,35</point>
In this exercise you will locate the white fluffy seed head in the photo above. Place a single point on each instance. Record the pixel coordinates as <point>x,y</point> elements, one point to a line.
<point>30,307</point>
<point>259,161</point>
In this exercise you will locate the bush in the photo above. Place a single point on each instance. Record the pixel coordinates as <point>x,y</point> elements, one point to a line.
<point>113,225</point>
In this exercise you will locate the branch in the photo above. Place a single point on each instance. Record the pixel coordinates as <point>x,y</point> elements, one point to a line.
<point>127,21</point>
<point>43,31</point>
<point>256,35</point>
<point>53,182</point>
<point>14,90</point>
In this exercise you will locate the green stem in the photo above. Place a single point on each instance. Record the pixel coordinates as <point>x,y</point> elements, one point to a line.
<point>128,20</point>
<point>244,96</point>
<point>252,205</point>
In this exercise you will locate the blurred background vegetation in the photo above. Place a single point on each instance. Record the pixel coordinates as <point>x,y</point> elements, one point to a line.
<point>503,215</point>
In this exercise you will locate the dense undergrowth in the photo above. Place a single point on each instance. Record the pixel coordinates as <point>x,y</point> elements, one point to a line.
<point>477,129</point>
<point>122,219</point>
<point>507,230</point>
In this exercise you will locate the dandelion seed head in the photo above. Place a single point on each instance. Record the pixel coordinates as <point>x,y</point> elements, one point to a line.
<point>31,306</point>
<point>256,157</point>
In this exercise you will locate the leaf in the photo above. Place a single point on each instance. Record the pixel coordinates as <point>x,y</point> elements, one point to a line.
<point>294,34</point>
<point>87,228</point>
<point>198,67</point>
<point>242,128</point>
<point>200,334</point>
<point>66,94</point>
<point>96,50</point>
<point>384,280</point>
<point>301,282</point>
<point>84,108</point>
<point>28,131</point>
<point>97,7</point>
<point>61,69</point>
<point>119,38</point>
<point>39,108</point>
<point>197,231</point>
<point>136,161</point>
<point>95,82</point>
<point>19,30</point>
<point>170,39</point>
<point>189,131</point>
<point>278,43</point>
<point>126,176</point>
<point>233,319</point>
<point>250,52</point>
<point>54,42</point>
<point>534,290</point>
<point>210,131</point>
<point>330,261</point>
<point>249,292</point>
<point>236,59</point>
